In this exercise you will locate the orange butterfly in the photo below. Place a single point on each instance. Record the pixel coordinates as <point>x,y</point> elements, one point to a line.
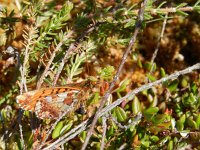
<point>52,102</point>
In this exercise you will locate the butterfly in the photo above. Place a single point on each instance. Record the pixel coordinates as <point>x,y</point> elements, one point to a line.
<point>51,103</point>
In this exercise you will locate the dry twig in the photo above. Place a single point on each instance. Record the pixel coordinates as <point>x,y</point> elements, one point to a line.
<point>158,45</point>
<point>104,125</point>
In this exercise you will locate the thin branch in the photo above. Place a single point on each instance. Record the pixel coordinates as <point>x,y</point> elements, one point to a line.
<point>104,125</point>
<point>158,45</point>
<point>74,132</point>
<point>29,38</point>
<point>116,122</point>
<point>20,127</point>
<point>159,40</point>
<point>171,10</point>
<point>23,69</point>
<point>136,121</point>
<point>18,7</point>
<point>60,68</point>
<point>45,73</point>
<point>168,10</point>
<point>122,146</point>
<point>105,97</point>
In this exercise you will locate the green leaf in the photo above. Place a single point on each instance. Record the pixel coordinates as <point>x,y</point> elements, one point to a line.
<point>140,63</point>
<point>181,5</point>
<point>160,118</point>
<point>197,3</point>
<point>145,143</point>
<point>189,100</point>
<point>198,121</point>
<point>123,85</point>
<point>56,131</point>
<point>184,133</point>
<point>83,136</point>
<point>173,123</point>
<point>151,78</point>
<point>183,118</point>
<point>107,72</point>
<point>2,100</point>
<point>184,82</point>
<point>110,132</point>
<point>162,72</point>
<point>196,8</point>
<point>149,66</point>
<point>173,86</point>
<point>66,127</point>
<point>123,41</point>
<point>191,123</point>
<point>170,145</point>
<point>181,13</point>
<point>163,141</point>
<point>161,4</point>
<point>151,110</point>
<point>120,114</point>
<point>154,138</point>
<point>180,123</point>
<point>131,23</point>
<point>136,107</point>
<point>94,99</point>
<point>154,101</point>
<point>145,92</point>
<point>194,88</point>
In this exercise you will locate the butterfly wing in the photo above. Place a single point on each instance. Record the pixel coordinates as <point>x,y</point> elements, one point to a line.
<point>26,100</point>
<point>49,102</point>
<point>55,105</point>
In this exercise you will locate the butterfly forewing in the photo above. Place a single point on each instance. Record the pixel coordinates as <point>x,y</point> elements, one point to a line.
<point>50,102</point>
